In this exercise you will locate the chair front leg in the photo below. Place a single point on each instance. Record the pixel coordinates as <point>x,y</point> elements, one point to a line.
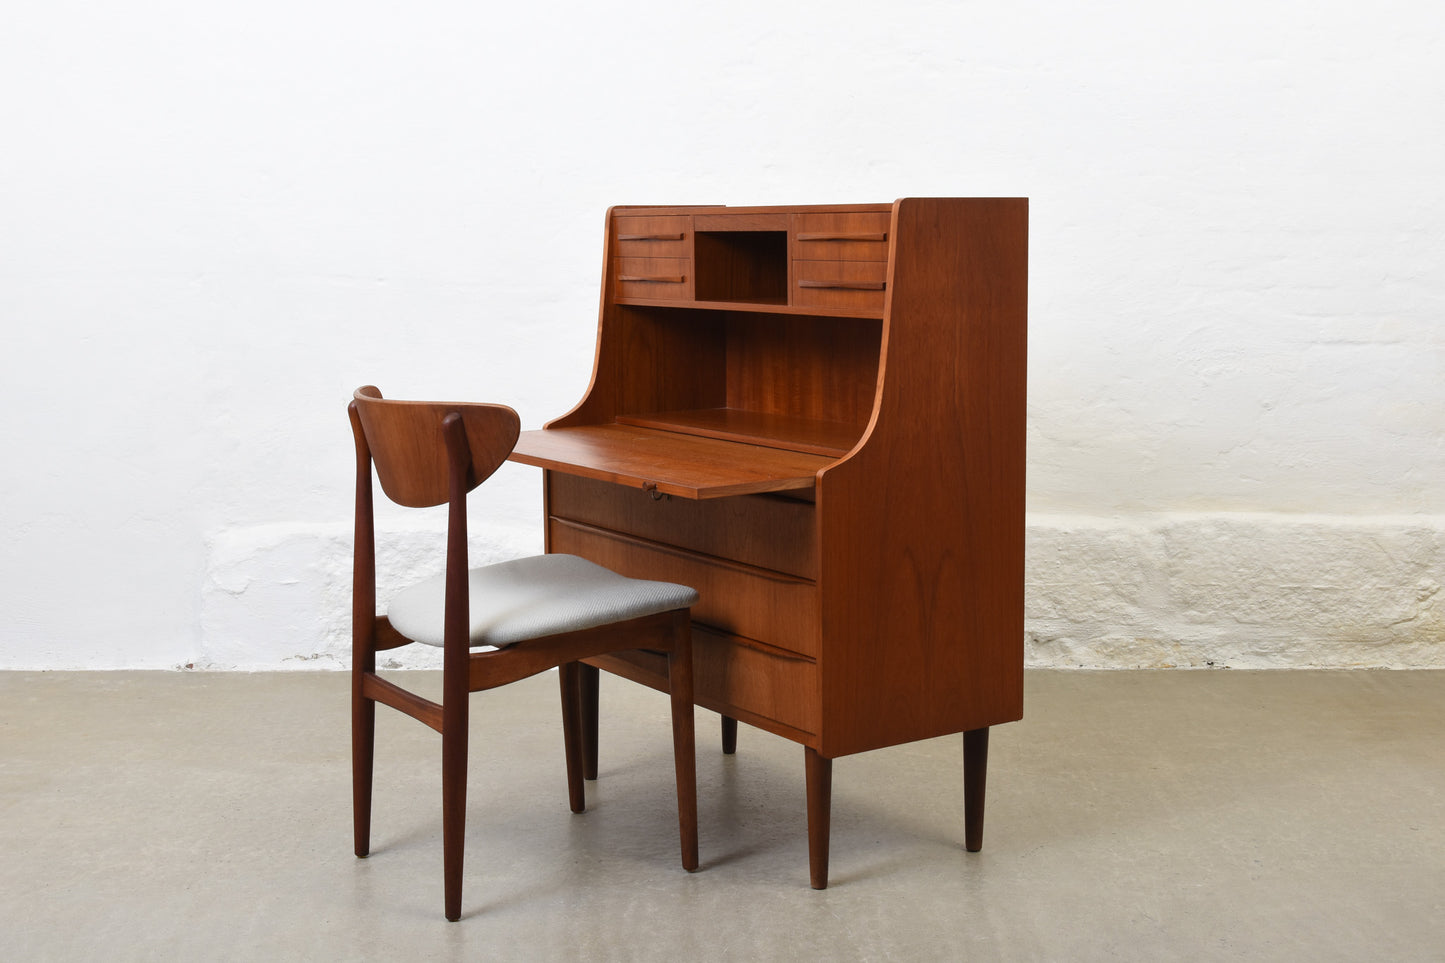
<point>684,744</point>
<point>455,721</point>
<point>591,683</point>
<point>570,676</point>
<point>454,814</point>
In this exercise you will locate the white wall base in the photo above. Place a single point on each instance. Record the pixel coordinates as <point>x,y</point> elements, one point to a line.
<point>1237,590</point>
<point>1240,590</point>
<point>279,596</point>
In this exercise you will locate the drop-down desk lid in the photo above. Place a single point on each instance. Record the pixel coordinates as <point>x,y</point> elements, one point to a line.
<point>668,462</point>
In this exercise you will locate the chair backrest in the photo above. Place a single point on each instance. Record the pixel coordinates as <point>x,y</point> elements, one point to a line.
<point>408,445</point>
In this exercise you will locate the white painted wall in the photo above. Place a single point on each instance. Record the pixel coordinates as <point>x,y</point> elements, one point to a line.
<point>218,219</point>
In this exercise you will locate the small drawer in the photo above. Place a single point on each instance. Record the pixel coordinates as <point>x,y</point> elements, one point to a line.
<point>760,530</point>
<point>655,278</point>
<point>731,675</point>
<point>857,287</point>
<point>841,237</point>
<point>734,599</point>
<point>652,236</point>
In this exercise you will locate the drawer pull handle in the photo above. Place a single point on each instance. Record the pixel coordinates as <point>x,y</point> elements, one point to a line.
<point>649,279</point>
<point>649,237</point>
<point>843,237</point>
<point>845,285</point>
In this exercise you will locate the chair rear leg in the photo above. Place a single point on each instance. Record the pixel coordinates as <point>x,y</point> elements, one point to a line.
<point>729,735</point>
<point>591,678</point>
<point>454,812</point>
<point>684,744</point>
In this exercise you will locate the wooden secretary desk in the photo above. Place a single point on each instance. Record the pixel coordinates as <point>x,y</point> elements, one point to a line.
<point>815,417</point>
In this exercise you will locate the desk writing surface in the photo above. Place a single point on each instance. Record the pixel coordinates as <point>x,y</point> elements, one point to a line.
<point>810,435</point>
<point>675,464</point>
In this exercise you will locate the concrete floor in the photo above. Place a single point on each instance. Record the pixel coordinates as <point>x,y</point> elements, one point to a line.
<point>1131,816</point>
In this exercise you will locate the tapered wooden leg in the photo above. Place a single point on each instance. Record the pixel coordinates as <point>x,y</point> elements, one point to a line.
<point>729,735</point>
<point>975,769</point>
<point>819,773</point>
<point>363,743</point>
<point>590,676</point>
<point>454,785</point>
<point>684,744</point>
<point>571,684</point>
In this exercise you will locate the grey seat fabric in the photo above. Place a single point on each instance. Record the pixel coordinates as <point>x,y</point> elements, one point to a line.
<point>528,598</point>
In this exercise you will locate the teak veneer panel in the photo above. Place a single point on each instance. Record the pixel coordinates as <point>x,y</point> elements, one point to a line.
<point>927,557</point>
<point>816,369</point>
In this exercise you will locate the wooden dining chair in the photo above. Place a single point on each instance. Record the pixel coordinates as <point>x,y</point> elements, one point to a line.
<point>527,615</point>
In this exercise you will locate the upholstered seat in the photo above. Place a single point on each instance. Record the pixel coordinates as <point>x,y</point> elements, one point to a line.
<point>530,598</point>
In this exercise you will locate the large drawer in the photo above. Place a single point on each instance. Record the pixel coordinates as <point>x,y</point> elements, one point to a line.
<point>736,599</point>
<point>661,278</point>
<point>730,675</point>
<point>766,531</point>
<point>651,236</point>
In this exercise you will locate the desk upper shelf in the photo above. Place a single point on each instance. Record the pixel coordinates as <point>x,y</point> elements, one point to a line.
<point>668,462</point>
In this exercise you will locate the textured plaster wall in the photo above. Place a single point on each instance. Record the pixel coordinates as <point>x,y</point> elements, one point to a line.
<point>219,219</point>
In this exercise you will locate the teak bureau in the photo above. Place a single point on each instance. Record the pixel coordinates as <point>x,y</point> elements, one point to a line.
<point>815,417</point>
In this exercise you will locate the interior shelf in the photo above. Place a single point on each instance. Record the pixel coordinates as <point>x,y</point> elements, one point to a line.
<point>746,266</point>
<point>760,307</point>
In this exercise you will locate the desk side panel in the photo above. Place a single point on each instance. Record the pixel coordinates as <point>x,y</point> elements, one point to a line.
<point>921,561</point>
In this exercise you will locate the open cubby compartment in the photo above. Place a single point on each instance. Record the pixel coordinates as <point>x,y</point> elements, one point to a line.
<point>741,266</point>
<point>799,383</point>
